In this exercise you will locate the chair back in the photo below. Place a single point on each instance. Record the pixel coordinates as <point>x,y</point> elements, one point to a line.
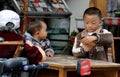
<point>111,52</point>
<point>10,44</point>
<point>112,24</point>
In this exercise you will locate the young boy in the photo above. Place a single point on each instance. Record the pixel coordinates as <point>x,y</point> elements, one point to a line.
<point>36,33</point>
<point>93,41</point>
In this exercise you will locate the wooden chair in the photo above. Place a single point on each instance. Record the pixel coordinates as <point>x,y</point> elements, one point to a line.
<point>11,44</point>
<point>111,52</point>
<point>112,24</point>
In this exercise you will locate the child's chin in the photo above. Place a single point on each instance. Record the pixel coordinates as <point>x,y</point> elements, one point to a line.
<point>90,31</point>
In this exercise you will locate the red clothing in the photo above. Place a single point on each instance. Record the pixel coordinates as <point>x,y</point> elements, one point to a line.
<point>7,51</point>
<point>32,53</point>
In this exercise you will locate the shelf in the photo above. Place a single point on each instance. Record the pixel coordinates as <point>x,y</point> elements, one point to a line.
<point>58,47</point>
<point>116,38</point>
<point>111,21</point>
<point>59,40</point>
<point>43,8</point>
<point>56,33</point>
<point>118,12</point>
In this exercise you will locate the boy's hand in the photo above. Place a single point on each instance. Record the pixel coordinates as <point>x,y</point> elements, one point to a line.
<point>87,48</point>
<point>89,40</point>
<point>49,54</point>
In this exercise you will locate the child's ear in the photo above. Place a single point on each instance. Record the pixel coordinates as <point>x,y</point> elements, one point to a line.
<point>37,32</point>
<point>101,23</point>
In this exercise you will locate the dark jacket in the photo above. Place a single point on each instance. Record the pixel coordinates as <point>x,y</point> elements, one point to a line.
<point>99,51</point>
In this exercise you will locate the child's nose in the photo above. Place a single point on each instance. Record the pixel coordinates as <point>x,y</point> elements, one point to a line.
<point>89,25</point>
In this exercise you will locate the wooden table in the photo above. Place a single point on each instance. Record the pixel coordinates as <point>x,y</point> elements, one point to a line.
<point>60,66</point>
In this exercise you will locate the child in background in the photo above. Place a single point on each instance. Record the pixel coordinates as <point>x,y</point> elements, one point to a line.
<point>93,41</point>
<point>36,33</point>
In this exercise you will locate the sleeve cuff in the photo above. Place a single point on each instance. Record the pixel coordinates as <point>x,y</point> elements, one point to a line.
<point>51,50</point>
<point>98,37</point>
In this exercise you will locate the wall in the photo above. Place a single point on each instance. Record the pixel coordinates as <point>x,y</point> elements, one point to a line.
<point>77,8</point>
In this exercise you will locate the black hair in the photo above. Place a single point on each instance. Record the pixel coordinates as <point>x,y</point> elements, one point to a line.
<point>93,11</point>
<point>34,26</point>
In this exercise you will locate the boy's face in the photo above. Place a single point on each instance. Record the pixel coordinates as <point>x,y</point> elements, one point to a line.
<point>91,22</point>
<point>43,32</point>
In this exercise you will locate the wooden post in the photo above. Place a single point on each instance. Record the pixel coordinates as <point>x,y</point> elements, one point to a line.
<point>25,10</point>
<point>23,27</point>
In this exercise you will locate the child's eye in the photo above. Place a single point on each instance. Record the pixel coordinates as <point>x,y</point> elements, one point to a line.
<point>86,22</point>
<point>93,23</point>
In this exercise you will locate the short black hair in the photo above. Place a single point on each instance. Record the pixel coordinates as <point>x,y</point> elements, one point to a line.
<point>93,11</point>
<point>34,26</point>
